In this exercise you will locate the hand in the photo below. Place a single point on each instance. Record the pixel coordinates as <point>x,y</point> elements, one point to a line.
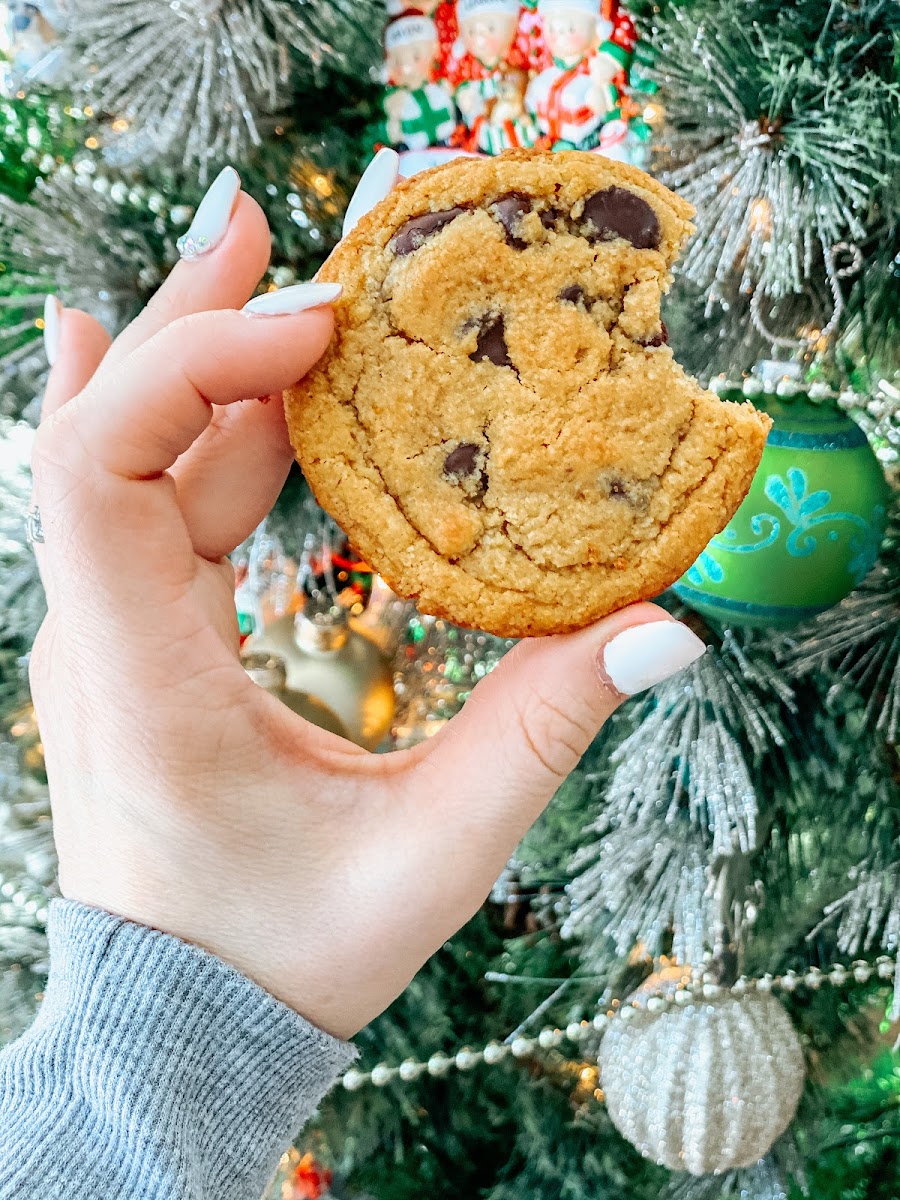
<point>184,796</point>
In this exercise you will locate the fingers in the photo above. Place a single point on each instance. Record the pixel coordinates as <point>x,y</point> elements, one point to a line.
<point>132,425</point>
<point>528,723</point>
<point>223,275</point>
<point>252,440</point>
<point>230,478</point>
<point>136,424</point>
<point>75,345</point>
<point>225,251</point>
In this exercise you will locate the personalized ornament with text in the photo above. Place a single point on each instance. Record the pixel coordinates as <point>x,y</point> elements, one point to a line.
<point>492,77</point>
<point>577,93</point>
<point>418,107</point>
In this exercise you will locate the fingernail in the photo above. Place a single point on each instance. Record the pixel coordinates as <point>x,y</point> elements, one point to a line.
<point>212,217</point>
<point>644,655</point>
<point>52,313</point>
<point>293,299</point>
<point>377,181</point>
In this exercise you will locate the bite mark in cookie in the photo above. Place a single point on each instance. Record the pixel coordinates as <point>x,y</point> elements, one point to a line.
<point>499,423</point>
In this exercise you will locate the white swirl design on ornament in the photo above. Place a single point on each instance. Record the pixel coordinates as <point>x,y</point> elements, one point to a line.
<point>803,510</point>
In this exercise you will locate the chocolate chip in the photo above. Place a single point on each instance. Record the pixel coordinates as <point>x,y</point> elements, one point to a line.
<point>411,236</point>
<point>658,339</point>
<point>549,217</point>
<point>637,493</point>
<point>463,460</point>
<point>492,343</point>
<point>466,466</point>
<point>509,211</point>
<point>616,212</point>
<point>574,294</point>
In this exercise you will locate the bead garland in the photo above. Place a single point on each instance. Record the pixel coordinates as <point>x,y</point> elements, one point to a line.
<point>787,388</point>
<point>880,410</point>
<point>688,990</point>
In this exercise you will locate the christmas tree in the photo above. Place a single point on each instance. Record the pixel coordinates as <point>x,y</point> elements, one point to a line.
<point>687,982</point>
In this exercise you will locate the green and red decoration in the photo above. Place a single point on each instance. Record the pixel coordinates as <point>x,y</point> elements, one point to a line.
<point>811,526</point>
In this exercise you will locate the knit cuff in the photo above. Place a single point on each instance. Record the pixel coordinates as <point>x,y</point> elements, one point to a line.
<point>174,1058</point>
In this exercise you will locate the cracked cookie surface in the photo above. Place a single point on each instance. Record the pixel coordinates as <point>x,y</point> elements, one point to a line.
<point>499,425</point>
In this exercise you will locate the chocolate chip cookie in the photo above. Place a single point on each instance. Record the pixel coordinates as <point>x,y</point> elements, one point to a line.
<point>499,424</point>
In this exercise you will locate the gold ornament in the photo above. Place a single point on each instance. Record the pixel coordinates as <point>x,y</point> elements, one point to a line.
<point>327,657</point>
<point>270,672</point>
<point>24,731</point>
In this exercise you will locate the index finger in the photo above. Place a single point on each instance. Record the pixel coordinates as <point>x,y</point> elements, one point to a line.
<point>101,462</point>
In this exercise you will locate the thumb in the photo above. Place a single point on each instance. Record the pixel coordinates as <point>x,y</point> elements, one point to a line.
<point>527,724</point>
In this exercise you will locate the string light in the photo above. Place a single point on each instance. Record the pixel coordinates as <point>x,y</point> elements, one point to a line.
<point>761,216</point>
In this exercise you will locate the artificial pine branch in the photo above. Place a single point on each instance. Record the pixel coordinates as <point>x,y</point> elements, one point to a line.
<point>69,239</point>
<point>786,153</point>
<point>195,81</point>
<point>684,799</point>
<point>857,643</point>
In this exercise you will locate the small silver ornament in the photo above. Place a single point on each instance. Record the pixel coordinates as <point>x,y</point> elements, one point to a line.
<point>704,1088</point>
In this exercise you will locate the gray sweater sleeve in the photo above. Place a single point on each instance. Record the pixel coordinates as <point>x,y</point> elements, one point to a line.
<point>154,1071</point>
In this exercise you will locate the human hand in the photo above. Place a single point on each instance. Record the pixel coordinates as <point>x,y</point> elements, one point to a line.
<point>184,796</point>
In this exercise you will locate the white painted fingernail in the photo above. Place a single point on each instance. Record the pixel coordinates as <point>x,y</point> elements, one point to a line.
<point>212,217</point>
<point>293,299</point>
<point>644,655</point>
<point>52,313</point>
<point>377,181</point>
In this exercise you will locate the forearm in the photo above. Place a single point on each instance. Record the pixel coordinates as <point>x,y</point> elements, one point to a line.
<point>153,1071</point>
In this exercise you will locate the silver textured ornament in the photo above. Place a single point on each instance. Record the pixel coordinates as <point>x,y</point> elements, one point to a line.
<point>705,1087</point>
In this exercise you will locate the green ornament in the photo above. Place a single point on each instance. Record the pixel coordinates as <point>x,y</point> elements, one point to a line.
<point>809,530</point>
